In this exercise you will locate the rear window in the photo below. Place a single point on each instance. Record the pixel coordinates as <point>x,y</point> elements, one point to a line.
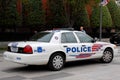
<point>42,37</point>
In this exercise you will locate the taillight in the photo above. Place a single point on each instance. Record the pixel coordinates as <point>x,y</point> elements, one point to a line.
<point>27,49</point>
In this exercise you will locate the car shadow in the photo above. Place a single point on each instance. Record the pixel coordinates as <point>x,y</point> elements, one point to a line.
<point>43,68</point>
<point>27,69</point>
<point>82,63</point>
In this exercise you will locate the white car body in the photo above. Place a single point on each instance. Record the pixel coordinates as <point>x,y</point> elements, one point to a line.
<point>42,51</point>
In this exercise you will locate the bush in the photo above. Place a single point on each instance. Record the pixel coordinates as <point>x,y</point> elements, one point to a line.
<point>115,13</point>
<point>9,15</point>
<point>106,17</point>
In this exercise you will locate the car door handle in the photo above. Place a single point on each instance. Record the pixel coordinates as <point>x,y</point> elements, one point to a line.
<point>83,45</point>
<point>65,46</point>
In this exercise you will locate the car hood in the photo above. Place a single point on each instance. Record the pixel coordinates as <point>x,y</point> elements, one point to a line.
<point>104,43</point>
<point>98,42</point>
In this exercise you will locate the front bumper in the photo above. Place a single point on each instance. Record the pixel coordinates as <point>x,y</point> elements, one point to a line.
<point>28,59</point>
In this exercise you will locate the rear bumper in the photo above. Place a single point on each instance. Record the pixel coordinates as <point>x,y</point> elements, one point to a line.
<point>28,59</point>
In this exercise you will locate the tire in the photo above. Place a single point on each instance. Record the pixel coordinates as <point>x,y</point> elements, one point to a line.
<point>56,62</point>
<point>107,56</point>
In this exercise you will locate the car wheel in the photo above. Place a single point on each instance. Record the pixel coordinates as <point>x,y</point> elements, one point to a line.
<point>56,62</point>
<point>107,56</point>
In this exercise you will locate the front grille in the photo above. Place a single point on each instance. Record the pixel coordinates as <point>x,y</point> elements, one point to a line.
<point>20,50</point>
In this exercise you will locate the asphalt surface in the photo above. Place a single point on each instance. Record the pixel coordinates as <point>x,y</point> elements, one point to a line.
<point>80,70</point>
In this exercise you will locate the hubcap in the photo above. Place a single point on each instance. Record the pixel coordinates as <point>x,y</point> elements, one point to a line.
<point>57,62</point>
<point>107,56</point>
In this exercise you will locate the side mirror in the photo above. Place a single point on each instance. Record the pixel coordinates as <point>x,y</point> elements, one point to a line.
<point>95,39</point>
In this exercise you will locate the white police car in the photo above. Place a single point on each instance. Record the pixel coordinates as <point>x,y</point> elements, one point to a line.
<point>55,47</point>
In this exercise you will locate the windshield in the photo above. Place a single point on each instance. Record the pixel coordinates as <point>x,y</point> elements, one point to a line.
<point>42,37</point>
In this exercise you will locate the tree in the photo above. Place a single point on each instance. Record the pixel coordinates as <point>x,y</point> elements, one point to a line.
<point>76,13</point>
<point>106,17</point>
<point>82,17</point>
<point>115,13</point>
<point>57,16</point>
<point>33,14</point>
<point>9,15</point>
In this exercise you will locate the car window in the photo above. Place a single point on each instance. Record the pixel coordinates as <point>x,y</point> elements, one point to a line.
<point>68,37</point>
<point>84,38</point>
<point>42,37</point>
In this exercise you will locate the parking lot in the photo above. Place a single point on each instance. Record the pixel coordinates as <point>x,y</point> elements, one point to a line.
<point>80,70</point>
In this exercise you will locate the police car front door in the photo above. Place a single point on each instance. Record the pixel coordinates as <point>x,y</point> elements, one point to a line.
<point>84,48</point>
<point>72,48</point>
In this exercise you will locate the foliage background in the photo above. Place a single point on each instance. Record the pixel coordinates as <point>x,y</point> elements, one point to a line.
<point>48,14</point>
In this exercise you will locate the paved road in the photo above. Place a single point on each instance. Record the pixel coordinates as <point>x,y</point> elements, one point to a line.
<point>80,70</point>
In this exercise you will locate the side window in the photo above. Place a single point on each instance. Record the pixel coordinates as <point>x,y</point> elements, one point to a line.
<point>84,38</point>
<point>68,37</point>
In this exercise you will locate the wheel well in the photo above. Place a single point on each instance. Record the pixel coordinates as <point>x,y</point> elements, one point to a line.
<point>60,52</point>
<point>109,48</point>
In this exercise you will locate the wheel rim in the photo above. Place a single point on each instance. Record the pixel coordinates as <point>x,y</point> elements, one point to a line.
<point>57,62</point>
<point>107,57</point>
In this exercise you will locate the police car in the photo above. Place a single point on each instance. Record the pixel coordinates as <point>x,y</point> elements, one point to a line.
<point>56,47</point>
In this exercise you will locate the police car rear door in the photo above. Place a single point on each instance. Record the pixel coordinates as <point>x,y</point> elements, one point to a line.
<point>70,45</point>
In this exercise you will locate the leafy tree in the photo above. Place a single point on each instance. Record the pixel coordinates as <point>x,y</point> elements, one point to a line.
<point>106,17</point>
<point>76,13</point>
<point>97,1</point>
<point>115,13</point>
<point>33,14</point>
<point>86,1</point>
<point>57,16</point>
<point>9,15</point>
<point>82,17</point>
